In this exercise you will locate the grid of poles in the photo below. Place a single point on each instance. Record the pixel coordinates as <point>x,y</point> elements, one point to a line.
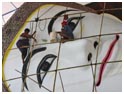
<point>58,70</point>
<point>15,8</point>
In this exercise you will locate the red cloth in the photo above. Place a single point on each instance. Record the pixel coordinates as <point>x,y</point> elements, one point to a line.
<point>64,23</point>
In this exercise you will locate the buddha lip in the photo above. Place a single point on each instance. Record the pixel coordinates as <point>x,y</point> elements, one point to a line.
<point>106,59</point>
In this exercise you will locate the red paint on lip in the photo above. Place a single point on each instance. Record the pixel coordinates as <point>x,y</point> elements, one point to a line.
<point>106,58</point>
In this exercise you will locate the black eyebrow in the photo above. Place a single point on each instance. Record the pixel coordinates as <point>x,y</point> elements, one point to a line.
<point>26,62</point>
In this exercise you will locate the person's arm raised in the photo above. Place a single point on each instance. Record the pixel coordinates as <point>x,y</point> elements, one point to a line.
<point>29,36</point>
<point>34,33</point>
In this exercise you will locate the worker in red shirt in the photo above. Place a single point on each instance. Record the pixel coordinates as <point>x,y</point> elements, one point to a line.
<point>66,29</point>
<point>23,42</point>
<point>65,20</point>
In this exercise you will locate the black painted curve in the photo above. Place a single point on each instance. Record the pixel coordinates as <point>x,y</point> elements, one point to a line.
<point>54,18</point>
<point>44,67</point>
<point>72,24</point>
<point>24,68</point>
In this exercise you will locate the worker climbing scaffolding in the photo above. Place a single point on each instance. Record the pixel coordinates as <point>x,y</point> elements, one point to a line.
<point>66,29</point>
<point>23,42</point>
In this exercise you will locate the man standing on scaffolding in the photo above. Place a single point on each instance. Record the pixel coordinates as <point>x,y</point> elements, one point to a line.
<point>66,29</point>
<point>23,42</point>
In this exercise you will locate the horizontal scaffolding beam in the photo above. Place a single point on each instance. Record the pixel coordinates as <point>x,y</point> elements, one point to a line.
<point>110,62</point>
<point>68,40</point>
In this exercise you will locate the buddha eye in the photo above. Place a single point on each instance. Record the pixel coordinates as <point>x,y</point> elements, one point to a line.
<point>89,56</point>
<point>95,44</point>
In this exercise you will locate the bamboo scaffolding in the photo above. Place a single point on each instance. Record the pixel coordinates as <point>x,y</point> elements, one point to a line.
<point>69,14</point>
<point>81,66</point>
<point>92,64</point>
<point>33,80</point>
<point>94,75</point>
<point>68,40</point>
<point>57,66</point>
<point>61,82</point>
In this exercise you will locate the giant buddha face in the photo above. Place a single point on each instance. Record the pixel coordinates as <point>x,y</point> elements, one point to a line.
<point>72,64</point>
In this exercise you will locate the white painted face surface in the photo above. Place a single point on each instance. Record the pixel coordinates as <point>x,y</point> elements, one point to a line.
<point>72,68</point>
